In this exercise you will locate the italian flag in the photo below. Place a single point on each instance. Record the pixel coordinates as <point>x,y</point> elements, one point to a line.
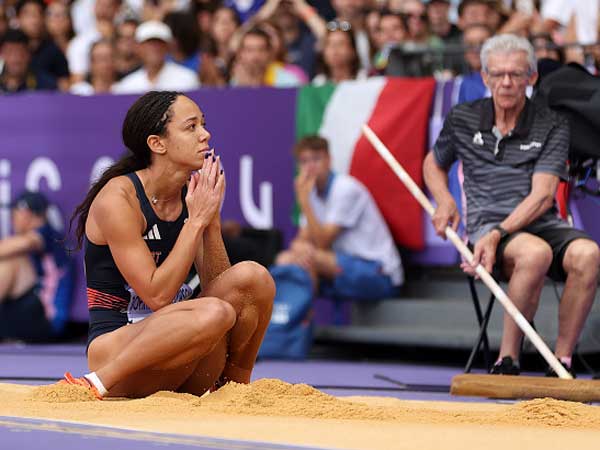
<point>397,110</point>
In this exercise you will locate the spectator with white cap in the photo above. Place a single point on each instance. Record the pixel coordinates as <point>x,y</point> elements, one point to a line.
<point>156,73</point>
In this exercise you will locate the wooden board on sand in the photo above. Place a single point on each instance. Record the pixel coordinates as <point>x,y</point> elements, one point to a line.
<point>525,387</point>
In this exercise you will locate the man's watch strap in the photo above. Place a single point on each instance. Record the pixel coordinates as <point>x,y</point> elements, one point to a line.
<point>502,231</point>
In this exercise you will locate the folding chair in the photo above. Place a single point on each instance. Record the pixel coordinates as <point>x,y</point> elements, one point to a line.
<point>483,318</point>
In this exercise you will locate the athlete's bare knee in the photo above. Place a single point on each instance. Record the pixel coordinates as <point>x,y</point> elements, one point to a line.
<point>255,279</point>
<point>217,311</point>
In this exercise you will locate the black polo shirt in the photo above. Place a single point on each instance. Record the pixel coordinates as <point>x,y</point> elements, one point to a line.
<point>498,169</point>
<point>50,60</point>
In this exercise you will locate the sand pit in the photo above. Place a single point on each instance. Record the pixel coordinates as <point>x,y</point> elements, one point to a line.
<point>275,411</point>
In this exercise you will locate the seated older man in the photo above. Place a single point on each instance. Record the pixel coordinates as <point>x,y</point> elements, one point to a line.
<point>513,155</point>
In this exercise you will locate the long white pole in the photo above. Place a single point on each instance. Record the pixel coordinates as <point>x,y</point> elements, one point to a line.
<point>464,250</point>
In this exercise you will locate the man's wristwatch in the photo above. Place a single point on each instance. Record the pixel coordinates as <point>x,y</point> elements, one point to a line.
<point>502,231</point>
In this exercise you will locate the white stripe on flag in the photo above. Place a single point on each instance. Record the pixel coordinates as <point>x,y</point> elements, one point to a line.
<point>350,106</point>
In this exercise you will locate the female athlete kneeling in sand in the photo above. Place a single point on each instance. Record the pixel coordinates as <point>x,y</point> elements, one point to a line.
<point>144,223</point>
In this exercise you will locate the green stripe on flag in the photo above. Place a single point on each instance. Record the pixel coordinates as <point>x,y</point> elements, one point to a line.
<point>310,108</point>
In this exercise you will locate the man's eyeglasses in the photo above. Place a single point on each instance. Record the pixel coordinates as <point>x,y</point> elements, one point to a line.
<point>339,25</point>
<point>516,75</point>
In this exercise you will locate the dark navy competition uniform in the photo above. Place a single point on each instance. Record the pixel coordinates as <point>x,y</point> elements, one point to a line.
<point>112,303</point>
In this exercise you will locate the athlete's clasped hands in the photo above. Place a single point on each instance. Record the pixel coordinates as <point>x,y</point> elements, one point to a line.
<point>205,191</point>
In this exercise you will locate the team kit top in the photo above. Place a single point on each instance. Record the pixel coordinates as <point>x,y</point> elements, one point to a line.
<point>112,303</point>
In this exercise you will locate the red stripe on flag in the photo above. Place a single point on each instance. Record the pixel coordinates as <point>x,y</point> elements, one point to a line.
<point>400,119</point>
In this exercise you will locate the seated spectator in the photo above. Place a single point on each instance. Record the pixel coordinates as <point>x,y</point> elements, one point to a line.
<point>252,64</point>
<point>343,243</point>
<point>17,74</point>
<point>126,57</point>
<point>338,61</point>
<point>185,48</point>
<point>78,53</point>
<point>300,26</point>
<point>59,25</point>
<point>156,73</point>
<point>46,57</point>
<point>354,13</point>
<point>252,58</point>
<point>372,20</point>
<point>204,12</point>
<point>391,32</point>
<point>284,24</point>
<point>471,12</point>
<point>514,155</point>
<point>102,71</point>
<point>417,28</point>
<point>224,25</point>
<point>35,275</point>
<point>545,48</point>
<point>522,19</point>
<point>280,72</point>
<point>472,86</point>
<point>571,20</point>
<point>449,34</point>
<point>439,22</point>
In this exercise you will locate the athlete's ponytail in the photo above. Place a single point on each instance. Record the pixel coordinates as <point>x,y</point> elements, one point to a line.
<point>149,115</point>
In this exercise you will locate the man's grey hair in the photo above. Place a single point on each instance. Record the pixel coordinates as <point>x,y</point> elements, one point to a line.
<point>508,43</point>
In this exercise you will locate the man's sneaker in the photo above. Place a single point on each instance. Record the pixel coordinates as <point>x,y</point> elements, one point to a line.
<point>506,366</point>
<point>551,373</point>
<point>81,381</point>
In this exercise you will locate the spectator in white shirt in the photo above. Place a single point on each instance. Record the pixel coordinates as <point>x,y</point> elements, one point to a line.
<point>156,73</point>
<point>582,15</point>
<point>78,52</point>
<point>102,70</point>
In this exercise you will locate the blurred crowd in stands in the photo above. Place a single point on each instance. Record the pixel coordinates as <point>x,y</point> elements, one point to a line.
<point>130,46</point>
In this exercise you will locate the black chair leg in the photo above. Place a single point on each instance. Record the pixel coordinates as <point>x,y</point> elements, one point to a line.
<point>486,345</point>
<point>482,320</point>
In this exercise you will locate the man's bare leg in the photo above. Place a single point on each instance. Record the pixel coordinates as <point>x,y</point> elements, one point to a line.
<point>17,276</point>
<point>581,262</point>
<point>526,261</point>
